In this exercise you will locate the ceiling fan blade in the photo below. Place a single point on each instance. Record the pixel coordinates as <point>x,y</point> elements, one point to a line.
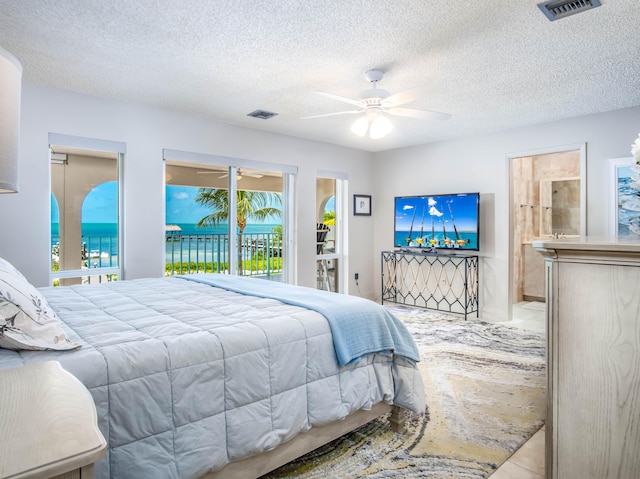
<point>348,112</point>
<point>344,99</point>
<point>419,114</point>
<point>406,96</point>
<point>208,172</point>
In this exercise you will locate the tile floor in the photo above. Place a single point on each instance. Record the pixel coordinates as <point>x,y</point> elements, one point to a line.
<point>528,461</point>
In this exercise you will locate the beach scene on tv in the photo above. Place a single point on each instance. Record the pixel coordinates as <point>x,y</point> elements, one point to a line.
<point>439,221</point>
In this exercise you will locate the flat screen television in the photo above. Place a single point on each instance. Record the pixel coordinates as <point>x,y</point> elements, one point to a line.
<point>438,221</point>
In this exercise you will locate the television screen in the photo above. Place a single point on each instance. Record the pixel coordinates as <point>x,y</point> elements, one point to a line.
<point>437,221</point>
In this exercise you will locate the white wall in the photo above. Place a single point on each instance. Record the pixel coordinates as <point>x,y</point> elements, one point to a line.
<point>480,164</point>
<point>146,131</point>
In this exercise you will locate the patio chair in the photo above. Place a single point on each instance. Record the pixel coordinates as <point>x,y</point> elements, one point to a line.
<point>322,265</point>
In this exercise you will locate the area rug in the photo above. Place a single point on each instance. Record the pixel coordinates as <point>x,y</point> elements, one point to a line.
<point>485,386</point>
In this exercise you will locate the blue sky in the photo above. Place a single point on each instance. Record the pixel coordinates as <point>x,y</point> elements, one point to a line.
<point>464,209</point>
<point>331,204</point>
<point>181,205</point>
<point>100,205</point>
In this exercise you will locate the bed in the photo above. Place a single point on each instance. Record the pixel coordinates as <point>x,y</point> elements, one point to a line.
<point>213,375</point>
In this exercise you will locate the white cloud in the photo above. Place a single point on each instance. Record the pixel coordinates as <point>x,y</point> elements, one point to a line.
<point>434,212</point>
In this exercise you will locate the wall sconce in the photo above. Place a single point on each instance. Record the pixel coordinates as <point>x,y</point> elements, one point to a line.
<point>10,91</point>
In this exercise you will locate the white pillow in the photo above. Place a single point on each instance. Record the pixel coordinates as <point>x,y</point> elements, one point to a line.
<point>26,319</point>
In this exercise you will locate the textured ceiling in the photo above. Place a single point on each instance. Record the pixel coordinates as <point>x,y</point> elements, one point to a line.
<point>492,65</point>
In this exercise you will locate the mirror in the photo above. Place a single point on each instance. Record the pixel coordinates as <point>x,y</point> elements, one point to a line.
<point>560,207</point>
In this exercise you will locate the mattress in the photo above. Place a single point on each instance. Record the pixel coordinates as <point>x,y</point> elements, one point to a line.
<point>187,377</point>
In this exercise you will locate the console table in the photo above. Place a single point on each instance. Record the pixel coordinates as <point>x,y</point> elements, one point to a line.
<point>593,357</point>
<point>444,282</point>
<point>48,424</point>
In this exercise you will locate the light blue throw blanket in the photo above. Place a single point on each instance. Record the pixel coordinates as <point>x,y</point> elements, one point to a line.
<point>359,326</point>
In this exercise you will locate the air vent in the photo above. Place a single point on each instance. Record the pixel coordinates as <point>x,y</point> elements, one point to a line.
<point>262,114</point>
<point>557,9</point>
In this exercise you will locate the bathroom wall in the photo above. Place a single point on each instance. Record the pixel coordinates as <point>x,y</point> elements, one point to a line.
<point>564,207</point>
<point>539,204</point>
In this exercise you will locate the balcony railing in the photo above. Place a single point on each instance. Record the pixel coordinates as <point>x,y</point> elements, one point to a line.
<point>259,254</point>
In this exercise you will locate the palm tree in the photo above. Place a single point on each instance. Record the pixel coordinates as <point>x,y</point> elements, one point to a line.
<point>329,218</point>
<point>250,205</point>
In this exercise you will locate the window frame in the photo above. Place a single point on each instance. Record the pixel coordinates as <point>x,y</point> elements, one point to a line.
<point>340,233</point>
<point>92,144</point>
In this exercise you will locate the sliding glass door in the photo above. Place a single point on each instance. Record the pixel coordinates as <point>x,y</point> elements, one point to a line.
<point>226,216</point>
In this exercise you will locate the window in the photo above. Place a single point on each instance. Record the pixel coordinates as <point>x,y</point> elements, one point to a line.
<point>86,244</point>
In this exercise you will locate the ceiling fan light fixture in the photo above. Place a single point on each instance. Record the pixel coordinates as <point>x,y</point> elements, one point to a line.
<point>374,123</point>
<point>380,127</point>
<point>360,126</point>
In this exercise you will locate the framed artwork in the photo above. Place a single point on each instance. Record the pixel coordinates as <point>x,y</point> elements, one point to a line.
<point>624,197</point>
<point>362,205</point>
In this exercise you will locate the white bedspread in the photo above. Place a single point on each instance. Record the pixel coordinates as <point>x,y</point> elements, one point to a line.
<point>187,377</point>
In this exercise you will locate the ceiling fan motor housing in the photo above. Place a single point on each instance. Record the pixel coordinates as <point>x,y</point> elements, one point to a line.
<point>374,75</point>
<point>373,95</point>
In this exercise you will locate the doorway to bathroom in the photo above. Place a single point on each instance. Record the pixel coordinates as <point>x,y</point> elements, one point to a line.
<point>547,200</point>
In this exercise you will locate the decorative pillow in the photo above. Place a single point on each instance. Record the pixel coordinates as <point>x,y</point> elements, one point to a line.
<point>26,319</point>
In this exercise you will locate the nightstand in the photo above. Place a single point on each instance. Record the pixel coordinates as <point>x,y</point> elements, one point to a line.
<point>48,424</point>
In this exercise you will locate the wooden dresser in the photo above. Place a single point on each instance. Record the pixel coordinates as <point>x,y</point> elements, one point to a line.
<point>48,424</point>
<point>593,357</point>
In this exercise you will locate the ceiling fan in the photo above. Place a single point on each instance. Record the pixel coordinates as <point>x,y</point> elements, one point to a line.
<point>239,173</point>
<point>375,103</point>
